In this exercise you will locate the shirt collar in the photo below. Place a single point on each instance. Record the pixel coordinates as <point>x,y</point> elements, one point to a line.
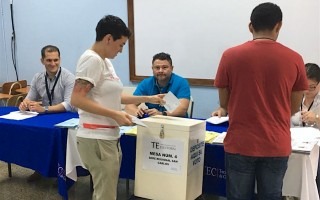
<point>55,76</point>
<point>164,89</point>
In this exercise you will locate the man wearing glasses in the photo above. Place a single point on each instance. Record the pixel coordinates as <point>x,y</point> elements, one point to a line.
<point>162,81</point>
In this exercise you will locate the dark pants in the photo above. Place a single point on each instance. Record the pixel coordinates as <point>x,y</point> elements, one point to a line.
<point>244,171</point>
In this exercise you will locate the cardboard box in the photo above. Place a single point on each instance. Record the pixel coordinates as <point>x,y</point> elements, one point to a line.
<point>169,158</point>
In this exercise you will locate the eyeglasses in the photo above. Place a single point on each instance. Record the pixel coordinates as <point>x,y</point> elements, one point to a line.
<point>313,87</point>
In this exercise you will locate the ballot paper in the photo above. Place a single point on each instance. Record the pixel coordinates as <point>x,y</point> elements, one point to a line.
<point>172,102</point>
<point>217,120</point>
<point>137,121</point>
<point>19,115</point>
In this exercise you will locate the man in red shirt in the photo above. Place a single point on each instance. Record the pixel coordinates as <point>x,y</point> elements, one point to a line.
<point>261,83</point>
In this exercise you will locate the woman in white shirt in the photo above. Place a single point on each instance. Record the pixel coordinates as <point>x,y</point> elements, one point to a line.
<point>310,106</point>
<point>98,96</point>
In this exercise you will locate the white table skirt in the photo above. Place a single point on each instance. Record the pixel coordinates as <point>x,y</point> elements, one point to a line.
<point>73,158</point>
<point>300,177</point>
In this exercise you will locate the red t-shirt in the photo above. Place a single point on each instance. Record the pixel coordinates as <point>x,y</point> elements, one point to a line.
<point>260,76</point>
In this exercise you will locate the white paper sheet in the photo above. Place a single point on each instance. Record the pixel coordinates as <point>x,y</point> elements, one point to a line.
<point>19,115</point>
<point>172,102</point>
<point>217,120</point>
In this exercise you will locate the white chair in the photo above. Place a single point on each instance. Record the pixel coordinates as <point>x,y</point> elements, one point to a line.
<point>190,108</point>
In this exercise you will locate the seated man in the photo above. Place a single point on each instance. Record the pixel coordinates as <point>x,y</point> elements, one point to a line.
<point>51,89</point>
<point>162,81</point>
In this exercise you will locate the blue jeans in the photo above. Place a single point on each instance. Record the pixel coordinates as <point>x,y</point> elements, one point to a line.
<point>244,171</point>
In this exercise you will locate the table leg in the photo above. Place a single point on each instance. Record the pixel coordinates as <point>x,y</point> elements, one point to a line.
<point>127,186</point>
<point>9,170</point>
<point>91,184</point>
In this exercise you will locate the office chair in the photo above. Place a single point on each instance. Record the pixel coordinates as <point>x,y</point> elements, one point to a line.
<point>190,108</point>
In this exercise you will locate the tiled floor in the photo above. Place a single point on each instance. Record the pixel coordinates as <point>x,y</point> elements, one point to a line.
<point>17,188</point>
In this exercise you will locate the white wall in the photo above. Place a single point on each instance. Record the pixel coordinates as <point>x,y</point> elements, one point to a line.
<point>70,25</point>
<point>196,34</point>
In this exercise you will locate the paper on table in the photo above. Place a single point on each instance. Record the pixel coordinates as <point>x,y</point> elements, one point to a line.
<point>210,136</point>
<point>132,131</point>
<point>19,115</point>
<point>303,139</point>
<point>172,102</point>
<point>303,147</point>
<point>125,129</point>
<point>70,123</point>
<point>217,120</point>
<point>219,139</point>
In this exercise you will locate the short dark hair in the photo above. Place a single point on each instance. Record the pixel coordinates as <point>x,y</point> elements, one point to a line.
<point>49,48</point>
<point>313,71</point>
<point>112,25</point>
<point>265,16</point>
<point>162,56</point>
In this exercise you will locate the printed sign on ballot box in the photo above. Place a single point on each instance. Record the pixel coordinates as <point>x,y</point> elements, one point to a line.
<point>162,155</point>
<point>196,153</point>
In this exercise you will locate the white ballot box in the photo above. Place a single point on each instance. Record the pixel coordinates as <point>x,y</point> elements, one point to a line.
<point>169,158</point>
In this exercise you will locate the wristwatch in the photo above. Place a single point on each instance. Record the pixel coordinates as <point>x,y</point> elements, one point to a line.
<point>164,113</point>
<point>46,109</point>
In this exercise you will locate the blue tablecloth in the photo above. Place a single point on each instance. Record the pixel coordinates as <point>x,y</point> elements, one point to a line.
<point>37,144</point>
<point>214,173</point>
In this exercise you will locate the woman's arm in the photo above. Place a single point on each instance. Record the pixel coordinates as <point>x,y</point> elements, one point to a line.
<point>80,100</point>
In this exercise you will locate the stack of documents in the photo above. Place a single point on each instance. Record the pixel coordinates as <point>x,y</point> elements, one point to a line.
<point>219,139</point>
<point>130,130</point>
<point>210,136</point>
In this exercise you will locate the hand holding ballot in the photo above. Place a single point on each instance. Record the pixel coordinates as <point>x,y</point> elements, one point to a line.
<point>171,103</point>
